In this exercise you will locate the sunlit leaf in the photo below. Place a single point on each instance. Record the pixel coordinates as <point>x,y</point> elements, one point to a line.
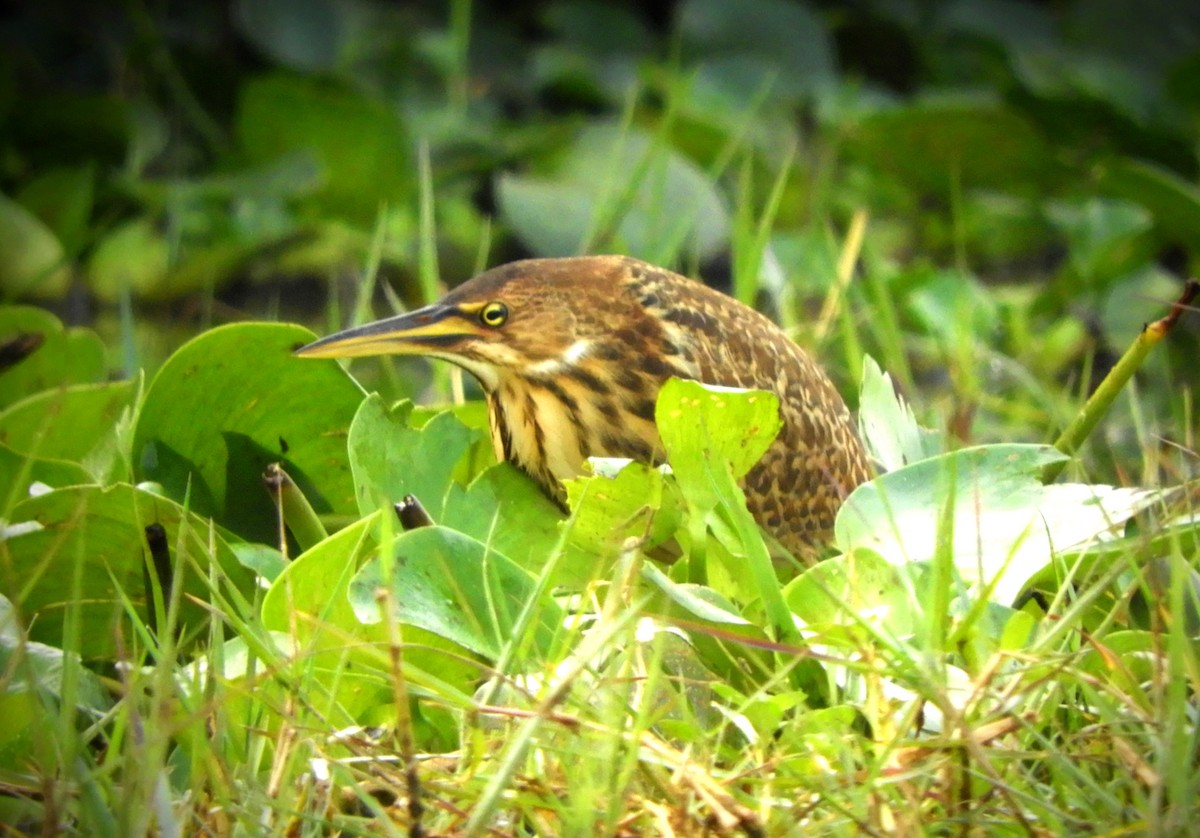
<point>61,356</point>
<point>886,422</point>
<point>83,549</point>
<point>72,423</point>
<point>390,459</point>
<point>310,602</point>
<point>234,400</point>
<point>1006,524</point>
<point>457,588</point>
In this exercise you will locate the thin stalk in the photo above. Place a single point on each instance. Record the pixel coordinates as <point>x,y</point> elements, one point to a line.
<point>1102,399</point>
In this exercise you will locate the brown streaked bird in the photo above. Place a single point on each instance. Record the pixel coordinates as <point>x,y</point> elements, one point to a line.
<point>572,352</point>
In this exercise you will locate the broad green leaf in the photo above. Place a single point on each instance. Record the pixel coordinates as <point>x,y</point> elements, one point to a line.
<point>1173,201</point>
<point>743,48</point>
<point>455,587</point>
<point>617,189</point>
<point>713,436</point>
<point>305,35</point>
<point>506,510</point>
<point>1129,660</point>
<point>311,592</point>
<point>390,459</point>
<point>83,550</point>
<point>64,356</point>
<point>1105,237</point>
<point>701,439</point>
<point>1127,301</point>
<point>636,502</point>
<point>310,602</point>
<point>1007,525</point>
<point>360,143</point>
<point>76,423</point>
<point>703,424</point>
<point>18,473</point>
<point>698,601</point>
<point>234,400</point>
<point>859,585</point>
<point>34,263</point>
<point>725,641</point>
<point>953,306</point>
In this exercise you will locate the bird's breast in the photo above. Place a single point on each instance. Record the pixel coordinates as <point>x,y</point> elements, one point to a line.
<point>549,426</point>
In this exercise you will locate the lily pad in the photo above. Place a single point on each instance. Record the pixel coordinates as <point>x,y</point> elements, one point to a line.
<point>77,423</point>
<point>234,400</point>
<point>1007,526</point>
<point>57,356</point>
<point>457,588</point>
<point>83,550</point>
<point>390,459</point>
<point>19,473</point>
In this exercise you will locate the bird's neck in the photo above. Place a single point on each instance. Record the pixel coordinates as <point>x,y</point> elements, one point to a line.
<point>537,431</point>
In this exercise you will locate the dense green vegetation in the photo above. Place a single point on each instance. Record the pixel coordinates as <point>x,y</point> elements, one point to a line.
<point>212,620</point>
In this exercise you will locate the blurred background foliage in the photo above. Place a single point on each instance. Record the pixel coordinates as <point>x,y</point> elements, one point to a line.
<point>1029,170</point>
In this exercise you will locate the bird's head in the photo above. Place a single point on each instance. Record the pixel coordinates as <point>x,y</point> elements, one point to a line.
<point>523,318</point>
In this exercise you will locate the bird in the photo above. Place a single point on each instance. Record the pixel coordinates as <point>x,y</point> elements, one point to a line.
<point>571,353</point>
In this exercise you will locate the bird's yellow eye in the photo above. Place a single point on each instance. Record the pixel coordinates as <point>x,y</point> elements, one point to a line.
<point>493,314</point>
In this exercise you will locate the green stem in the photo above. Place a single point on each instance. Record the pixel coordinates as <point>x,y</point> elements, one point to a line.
<point>296,512</point>
<point>1101,400</point>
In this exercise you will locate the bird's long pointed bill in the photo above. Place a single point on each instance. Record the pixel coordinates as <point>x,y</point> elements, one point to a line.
<point>414,333</point>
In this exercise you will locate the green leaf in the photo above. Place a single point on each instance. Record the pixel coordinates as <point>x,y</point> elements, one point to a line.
<point>743,47</point>
<point>234,400</point>
<point>1105,238</point>
<point>1006,524</point>
<point>70,356</point>
<point>18,473</point>
<point>76,423</point>
<point>713,436</point>
<point>1127,660</point>
<point>456,588</point>
<point>32,692</point>
<point>617,188</point>
<point>304,35</point>
<point>707,429</point>
<point>359,142</point>
<point>34,263</point>
<point>310,594</point>
<point>83,549</point>
<point>698,601</point>
<point>857,586</point>
<point>953,306</point>
<point>390,459</point>
<point>886,423</point>
<point>134,257</point>
<point>1173,201</point>
<point>508,511</point>
<point>309,601</point>
<point>636,502</point>
<point>944,144</point>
